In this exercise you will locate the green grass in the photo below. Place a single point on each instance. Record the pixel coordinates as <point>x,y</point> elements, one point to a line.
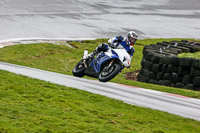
<point>61,59</point>
<point>190,55</point>
<point>30,105</point>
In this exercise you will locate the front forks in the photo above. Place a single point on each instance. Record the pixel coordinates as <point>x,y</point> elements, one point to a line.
<point>111,62</point>
<point>107,67</point>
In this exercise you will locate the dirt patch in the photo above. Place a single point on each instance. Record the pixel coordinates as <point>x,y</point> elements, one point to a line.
<point>132,75</point>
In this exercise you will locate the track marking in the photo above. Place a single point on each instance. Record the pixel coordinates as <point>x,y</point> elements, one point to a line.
<point>175,95</point>
<point>130,86</point>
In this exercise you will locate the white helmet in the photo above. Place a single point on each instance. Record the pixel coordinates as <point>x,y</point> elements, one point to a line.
<point>131,38</point>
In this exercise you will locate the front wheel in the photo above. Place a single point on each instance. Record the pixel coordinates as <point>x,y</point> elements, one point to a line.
<point>109,72</point>
<point>79,69</point>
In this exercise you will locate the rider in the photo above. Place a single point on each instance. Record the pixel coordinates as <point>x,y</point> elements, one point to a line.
<point>118,41</point>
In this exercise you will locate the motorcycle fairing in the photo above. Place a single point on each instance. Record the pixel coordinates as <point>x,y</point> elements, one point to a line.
<point>124,57</point>
<point>100,59</point>
<point>91,72</point>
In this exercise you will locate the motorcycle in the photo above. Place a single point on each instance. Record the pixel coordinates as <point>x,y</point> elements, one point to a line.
<point>105,66</point>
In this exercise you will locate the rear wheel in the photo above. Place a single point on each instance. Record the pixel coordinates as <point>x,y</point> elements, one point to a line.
<point>109,72</point>
<point>79,69</point>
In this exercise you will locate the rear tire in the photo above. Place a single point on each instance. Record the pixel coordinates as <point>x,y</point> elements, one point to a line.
<point>79,69</point>
<point>116,69</point>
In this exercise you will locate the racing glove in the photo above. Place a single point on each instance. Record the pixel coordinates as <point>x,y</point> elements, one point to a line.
<point>118,39</point>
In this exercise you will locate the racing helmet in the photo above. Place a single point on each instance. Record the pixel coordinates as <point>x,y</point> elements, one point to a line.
<point>132,38</point>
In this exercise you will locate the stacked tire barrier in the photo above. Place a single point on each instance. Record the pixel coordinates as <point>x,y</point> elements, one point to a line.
<point>161,65</point>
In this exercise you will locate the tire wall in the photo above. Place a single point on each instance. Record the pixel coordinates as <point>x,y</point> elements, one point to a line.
<point>161,65</point>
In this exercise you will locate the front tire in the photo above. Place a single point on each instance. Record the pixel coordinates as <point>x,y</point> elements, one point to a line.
<point>79,69</point>
<point>114,70</point>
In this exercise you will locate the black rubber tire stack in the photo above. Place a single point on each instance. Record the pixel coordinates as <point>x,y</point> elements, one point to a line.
<point>161,65</point>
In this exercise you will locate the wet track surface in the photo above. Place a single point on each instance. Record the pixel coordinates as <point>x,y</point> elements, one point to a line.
<point>171,103</point>
<point>99,19</point>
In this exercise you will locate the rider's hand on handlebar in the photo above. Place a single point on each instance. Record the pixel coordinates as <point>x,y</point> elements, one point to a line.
<point>119,38</point>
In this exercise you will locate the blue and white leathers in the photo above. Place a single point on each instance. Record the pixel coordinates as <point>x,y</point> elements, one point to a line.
<point>121,42</point>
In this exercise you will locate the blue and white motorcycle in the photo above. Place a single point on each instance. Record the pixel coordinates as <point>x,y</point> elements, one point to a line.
<point>105,66</point>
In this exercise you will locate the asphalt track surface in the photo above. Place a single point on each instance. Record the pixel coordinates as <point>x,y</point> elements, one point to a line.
<point>99,19</point>
<point>171,103</point>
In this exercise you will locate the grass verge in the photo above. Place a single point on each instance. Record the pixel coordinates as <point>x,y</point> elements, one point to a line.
<point>61,59</point>
<point>190,55</point>
<point>30,105</point>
